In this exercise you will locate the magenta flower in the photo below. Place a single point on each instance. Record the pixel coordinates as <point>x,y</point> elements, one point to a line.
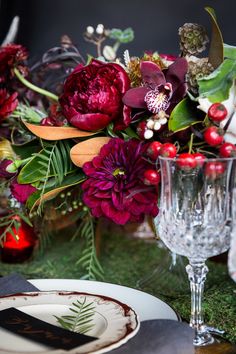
<point>12,55</point>
<point>8,103</point>
<point>92,96</point>
<point>115,188</point>
<point>161,90</point>
<point>21,191</point>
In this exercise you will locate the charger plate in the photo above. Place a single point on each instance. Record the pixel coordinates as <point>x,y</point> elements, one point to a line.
<point>148,307</point>
<point>114,322</point>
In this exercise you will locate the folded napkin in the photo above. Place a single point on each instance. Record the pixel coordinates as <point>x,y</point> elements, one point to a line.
<point>160,337</point>
<point>15,283</point>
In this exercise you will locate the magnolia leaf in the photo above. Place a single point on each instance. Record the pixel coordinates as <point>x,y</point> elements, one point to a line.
<point>229,51</point>
<point>216,86</point>
<point>56,133</point>
<point>86,150</point>
<point>184,115</point>
<point>50,193</point>
<point>216,52</point>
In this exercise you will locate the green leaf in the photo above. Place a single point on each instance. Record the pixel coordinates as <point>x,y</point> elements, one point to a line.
<point>52,161</point>
<point>82,319</point>
<point>216,51</point>
<point>184,115</point>
<point>125,36</point>
<point>26,150</point>
<point>52,192</point>
<point>216,86</point>
<point>229,51</point>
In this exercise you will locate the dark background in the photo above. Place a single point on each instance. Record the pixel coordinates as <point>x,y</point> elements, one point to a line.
<point>155,22</point>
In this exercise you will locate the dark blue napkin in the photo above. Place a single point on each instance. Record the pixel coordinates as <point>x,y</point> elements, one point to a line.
<point>15,283</point>
<point>160,337</point>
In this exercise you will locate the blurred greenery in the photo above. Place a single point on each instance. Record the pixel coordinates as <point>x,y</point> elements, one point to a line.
<point>129,261</point>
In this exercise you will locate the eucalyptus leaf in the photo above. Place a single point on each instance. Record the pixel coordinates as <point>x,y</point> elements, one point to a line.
<point>184,115</point>
<point>229,51</point>
<point>216,86</point>
<point>125,36</point>
<point>216,51</point>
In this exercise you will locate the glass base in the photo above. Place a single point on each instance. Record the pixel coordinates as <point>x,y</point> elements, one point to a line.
<point>203,338</point>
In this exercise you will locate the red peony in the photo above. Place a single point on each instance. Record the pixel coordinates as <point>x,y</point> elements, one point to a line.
<point>115,186</point>
<point>92,96</point>
<point>11,55</point>
<point>21,191</point>
<point>8,103</point>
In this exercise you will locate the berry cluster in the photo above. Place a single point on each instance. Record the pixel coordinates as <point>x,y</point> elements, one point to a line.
<point>213,136</point>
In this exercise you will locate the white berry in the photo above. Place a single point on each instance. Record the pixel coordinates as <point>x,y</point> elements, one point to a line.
<point>148,134</point>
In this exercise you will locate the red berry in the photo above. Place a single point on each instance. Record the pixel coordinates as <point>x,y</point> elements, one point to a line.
<point>217,112</point>
<point>214,169</point>
<point>200,158</point>
<point>227,150</point>
<point>141,128</point>
<point>154,149</point>
<point>151,177</point>
<point>186,161</point>
<point>213,136</point>
<point>168,150</point>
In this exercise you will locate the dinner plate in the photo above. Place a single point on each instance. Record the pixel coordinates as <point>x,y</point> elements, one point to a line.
<point>113,322</point>
<point>147,307</point>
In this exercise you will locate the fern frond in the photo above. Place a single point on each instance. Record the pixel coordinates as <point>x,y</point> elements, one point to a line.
<point>88,259</point>
<point>82,320</point>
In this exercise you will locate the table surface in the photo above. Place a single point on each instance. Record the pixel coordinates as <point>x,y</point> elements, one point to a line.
<point>141,264</point>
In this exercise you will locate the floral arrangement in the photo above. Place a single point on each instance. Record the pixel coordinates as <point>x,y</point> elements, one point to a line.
<point>84,135</point>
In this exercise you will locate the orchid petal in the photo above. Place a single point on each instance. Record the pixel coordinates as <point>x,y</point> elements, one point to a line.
<point>152,75</point>
<point>176,72</point>
<point>135,97</point>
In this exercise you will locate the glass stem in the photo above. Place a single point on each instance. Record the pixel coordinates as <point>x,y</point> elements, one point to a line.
<point>197,272</point>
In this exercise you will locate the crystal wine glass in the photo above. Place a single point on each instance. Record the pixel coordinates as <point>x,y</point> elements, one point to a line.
<point>195,220</point>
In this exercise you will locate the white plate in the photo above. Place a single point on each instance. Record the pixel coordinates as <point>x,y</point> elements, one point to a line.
<point>147,307</point>
<point>114,322</point>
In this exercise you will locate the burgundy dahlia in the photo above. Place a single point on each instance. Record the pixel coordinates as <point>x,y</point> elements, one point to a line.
<point>12,55</point>
<point>161,90</point>
<point>115,188</point>
<point>8,103</point>
<point>21,191</point>
<point>92,96</point>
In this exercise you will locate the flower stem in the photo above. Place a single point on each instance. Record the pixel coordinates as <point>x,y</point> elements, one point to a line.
<point>34,87</point>
<point>191,144</point>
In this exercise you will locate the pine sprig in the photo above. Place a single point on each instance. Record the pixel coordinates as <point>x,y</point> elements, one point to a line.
<point>82,319</point>
<point>88,259</point>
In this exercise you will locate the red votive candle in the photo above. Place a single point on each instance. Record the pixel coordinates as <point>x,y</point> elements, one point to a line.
<point>19,248</point>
